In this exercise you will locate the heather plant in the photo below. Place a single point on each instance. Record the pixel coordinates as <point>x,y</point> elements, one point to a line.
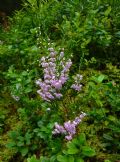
<point>56,73</point>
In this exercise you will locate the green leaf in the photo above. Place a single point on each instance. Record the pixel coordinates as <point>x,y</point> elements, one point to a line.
<point>28,136</point>
<point>33,159</point>
<point>79,160</point>
<point>71,159</point>
<point>107,161</point>
<point>62,158</point>
<point>44,159</point>
<point>73,150</point>
<point>24,151</point>
<point>111,118</point>
<point>24,73</point>
<point>13,135</point>
<point>70,144</point>
<point>11,144</point>
<point>117,34</point>
<point>100,78</point>
<point>20,138</point>
<point>53,158</point>
<point>87,151</point>
<point>107,12</point>
<point>108,137</point>
<point>82,139</point>
<point>75,141</point>
<point>20,143</point>
<point>28,90</point>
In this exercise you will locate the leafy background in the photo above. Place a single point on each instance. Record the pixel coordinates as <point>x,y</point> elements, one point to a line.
<point>89,31</point>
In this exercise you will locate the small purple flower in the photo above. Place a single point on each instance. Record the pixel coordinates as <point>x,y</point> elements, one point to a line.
<point>77,121</point>
<point>46,71</point>
<point>52,54</point>
<point>60,128</point>
<point>56,131</point>
<point>49,95</point>
<point>57,84</point>
<point>63,79</point>
<point>47,81</point>
<point>47,76</point>
<point>70,127</point>
<point>44,65</point>
<point>76,87</point>
<point>58,95</point>
<point>51,59</point>
<point>68,137</point>
<point>51,64</point>
<point>82,115</point>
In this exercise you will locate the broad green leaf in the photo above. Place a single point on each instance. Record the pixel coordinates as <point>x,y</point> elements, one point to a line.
<point>73,150</point>
<point>62,158</point>
<point>75,141</point>
<point>87,151</point>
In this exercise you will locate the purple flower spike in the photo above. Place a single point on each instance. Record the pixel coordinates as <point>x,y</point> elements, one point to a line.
<point>54,79</point>
<point>69,128</point>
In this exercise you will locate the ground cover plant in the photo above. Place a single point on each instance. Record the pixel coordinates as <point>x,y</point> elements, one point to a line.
<point>60,82</point>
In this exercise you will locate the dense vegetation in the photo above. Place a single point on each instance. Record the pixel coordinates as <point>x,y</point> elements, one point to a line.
<point>60,82</point>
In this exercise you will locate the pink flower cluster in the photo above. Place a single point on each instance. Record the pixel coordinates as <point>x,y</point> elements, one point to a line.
<point>77,86</point>
<point>56,70</point>
<point>69,127</point>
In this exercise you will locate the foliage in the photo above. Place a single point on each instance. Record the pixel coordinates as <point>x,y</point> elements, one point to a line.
<point>77,150</point>
<point>88,31</point>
